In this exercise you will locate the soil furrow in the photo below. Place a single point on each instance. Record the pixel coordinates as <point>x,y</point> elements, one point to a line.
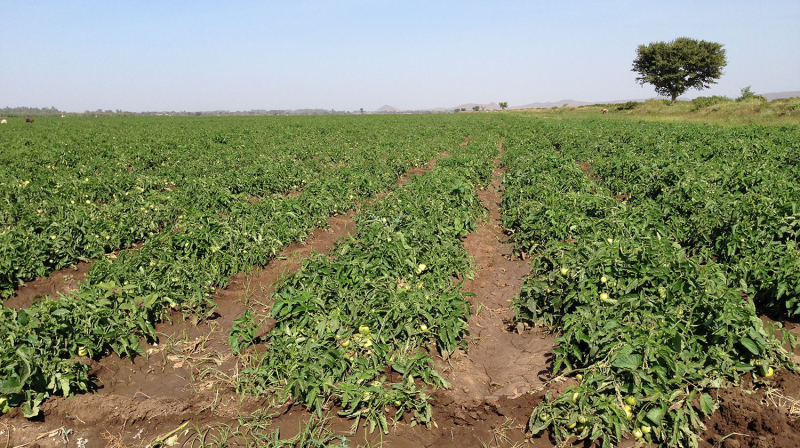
<point>499,361</point>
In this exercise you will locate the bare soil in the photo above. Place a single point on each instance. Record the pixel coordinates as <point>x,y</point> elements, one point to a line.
<point>63,280</point>
<point>766,417</point>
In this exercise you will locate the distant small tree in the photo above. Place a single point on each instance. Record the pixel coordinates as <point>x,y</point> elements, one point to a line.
<point>677,66</point>
<point>748,94</point>
<point>362,110</point>
<point>463,109</point>
<point>503,105</point>
<point>476,108</point>
<point>455,111</point>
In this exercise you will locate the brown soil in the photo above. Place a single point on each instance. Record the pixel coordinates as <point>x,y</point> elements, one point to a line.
<point>587,169</point>
<point>61,281</point>
<point>763,418</point>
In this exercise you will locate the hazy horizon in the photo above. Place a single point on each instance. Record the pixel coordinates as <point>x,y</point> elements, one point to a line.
<point>202,56</point>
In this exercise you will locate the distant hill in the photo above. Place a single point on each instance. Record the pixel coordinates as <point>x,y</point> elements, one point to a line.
<point>388,108</point>
<point>469,106</point>
<point>779,95</point>
<point>561,103</point>
<point>571,103</point>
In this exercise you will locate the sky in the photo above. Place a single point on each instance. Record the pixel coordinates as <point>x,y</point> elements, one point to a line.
<point>346,55</point>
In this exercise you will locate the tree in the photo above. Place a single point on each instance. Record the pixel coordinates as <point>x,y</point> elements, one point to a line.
<point>476,108</point>
<point>748,94</point>
<point>677,66</point>
<point>503,105</point>
<point>362,111</point>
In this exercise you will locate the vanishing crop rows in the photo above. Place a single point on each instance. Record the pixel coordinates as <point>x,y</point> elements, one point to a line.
<point>653,247</point>
<point>90,188</point>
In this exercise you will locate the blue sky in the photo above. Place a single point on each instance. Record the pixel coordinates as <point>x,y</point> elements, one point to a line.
<point>345,55</point>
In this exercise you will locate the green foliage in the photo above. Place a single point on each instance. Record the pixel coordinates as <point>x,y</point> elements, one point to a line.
<point>229,211</point>
<point>677,66</point>
<point>381,302</point>
<point>630,105</point>
<point>702,102</point>
<point>748,94</point>
<point>659,300</point>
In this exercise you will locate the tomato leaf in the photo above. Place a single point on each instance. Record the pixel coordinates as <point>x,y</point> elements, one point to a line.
<point>707,404</point>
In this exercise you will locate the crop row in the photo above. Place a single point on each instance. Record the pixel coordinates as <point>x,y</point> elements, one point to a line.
<point>123,295</point>
<point>77,190</point>
<point>356,328</point>
<point>648,322</point>
<point>731,192</point>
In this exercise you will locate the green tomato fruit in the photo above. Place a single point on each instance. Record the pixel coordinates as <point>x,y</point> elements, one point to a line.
<point>604,279</point>
<point>646,429</point>
<point>582,420</point>
<point>423,327</point>
<point>544,417</point>
<point>579,377</point>
<point>603,296</point>
<point>363,330</point>
<point>564,271</point>
<point>637,433</point>
<point>82,351</point>
<point>630,400</point>
<point>571,425</point>
<point>575,397</point>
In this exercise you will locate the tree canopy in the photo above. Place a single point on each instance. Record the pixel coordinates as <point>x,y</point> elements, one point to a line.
<point>677,66</point>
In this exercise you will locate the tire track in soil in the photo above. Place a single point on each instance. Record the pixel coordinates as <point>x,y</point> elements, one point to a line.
<point>145,397</point>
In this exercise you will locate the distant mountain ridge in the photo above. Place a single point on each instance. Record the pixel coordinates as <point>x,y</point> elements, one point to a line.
<point>562,103</point>
<point>781,95</point>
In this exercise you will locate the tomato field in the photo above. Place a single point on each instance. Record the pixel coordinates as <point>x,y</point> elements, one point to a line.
<point>355,276</point>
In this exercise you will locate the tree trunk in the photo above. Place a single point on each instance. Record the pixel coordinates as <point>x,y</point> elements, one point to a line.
<point>674,96</point>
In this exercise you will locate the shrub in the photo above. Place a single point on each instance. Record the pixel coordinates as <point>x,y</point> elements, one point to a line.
<point>630,105</point>
<point>748,94</point>
<point>706,101</point>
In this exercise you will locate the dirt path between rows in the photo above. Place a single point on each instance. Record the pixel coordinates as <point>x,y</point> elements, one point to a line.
<point>500,361</point>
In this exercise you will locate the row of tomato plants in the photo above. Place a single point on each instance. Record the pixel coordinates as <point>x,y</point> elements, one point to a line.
<point>647,325</point>
<point>357,328</point>
<point>74,190</point>
<point>124,295</point>
<point>733,192</point>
